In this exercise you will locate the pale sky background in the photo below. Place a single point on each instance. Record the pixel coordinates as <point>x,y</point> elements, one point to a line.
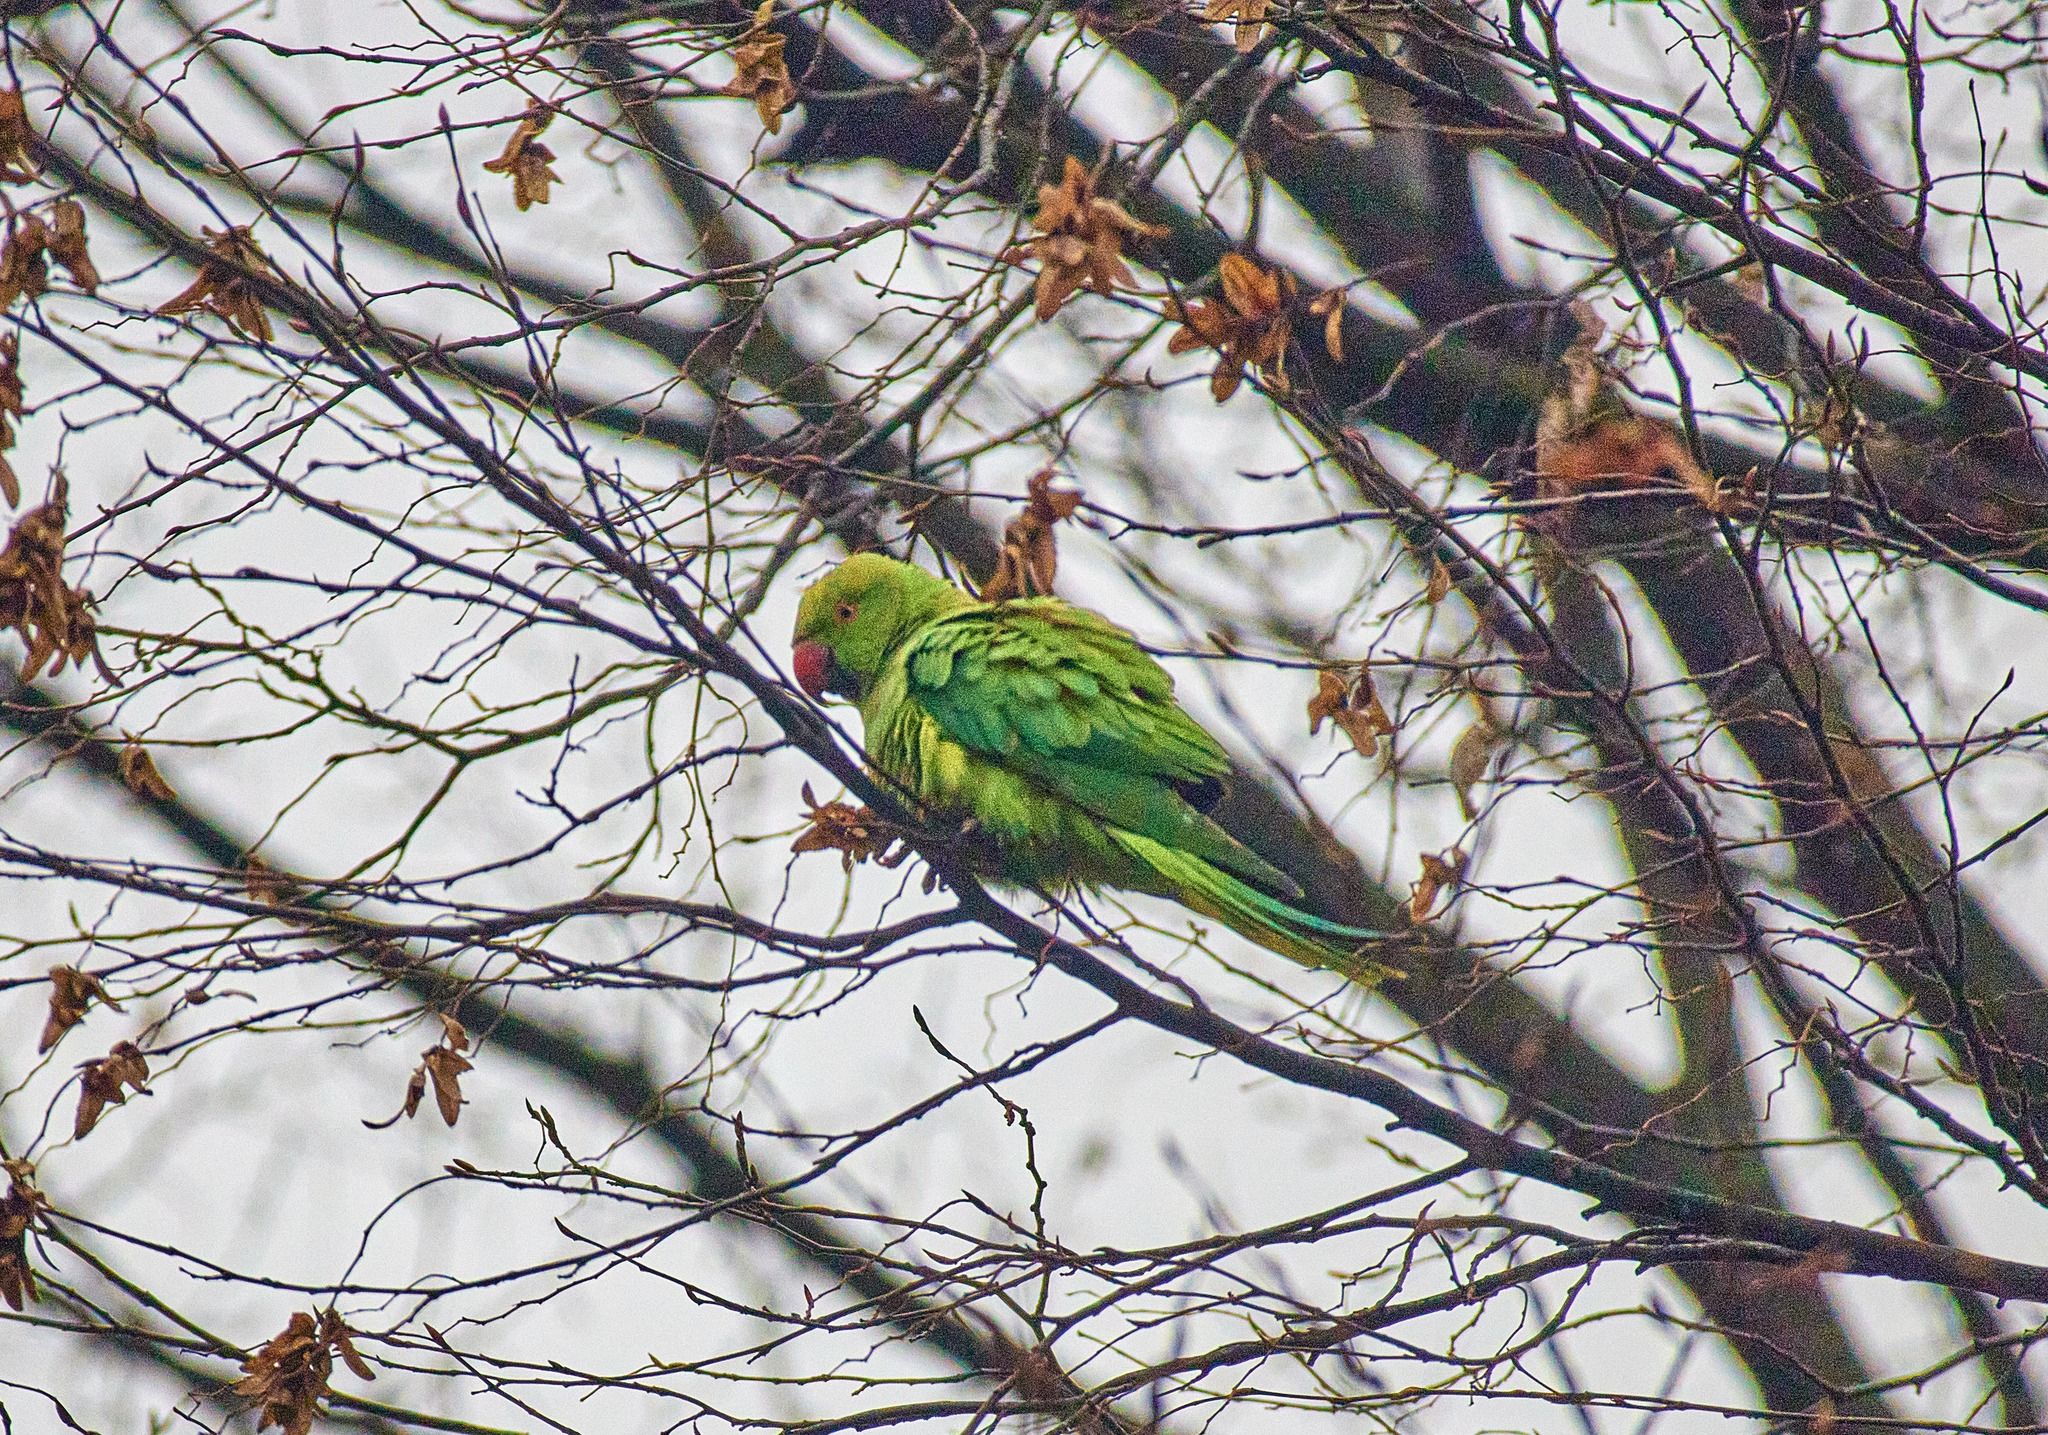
<point>253,1154</point>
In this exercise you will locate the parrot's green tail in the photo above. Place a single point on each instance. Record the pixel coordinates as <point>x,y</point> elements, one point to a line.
<point>1272,923</point>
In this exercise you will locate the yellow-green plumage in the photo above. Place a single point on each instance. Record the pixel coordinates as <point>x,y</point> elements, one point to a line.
<point>1059,737</point>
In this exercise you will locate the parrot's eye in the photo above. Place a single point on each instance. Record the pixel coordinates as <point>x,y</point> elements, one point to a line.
<point>844,612</point>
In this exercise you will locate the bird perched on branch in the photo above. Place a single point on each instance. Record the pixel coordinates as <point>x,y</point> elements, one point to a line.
<point>1048,730</point>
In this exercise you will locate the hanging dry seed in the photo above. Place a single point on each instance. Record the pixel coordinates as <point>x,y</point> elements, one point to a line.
<point>1080,240</point>
<point>1248,325</point>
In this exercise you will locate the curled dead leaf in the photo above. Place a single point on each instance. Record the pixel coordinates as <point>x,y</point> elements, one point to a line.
<point>442,1067</point>
<point>18,1209</point>
<point>139,773</point>
<point>1247,19</point>
<point>760,73</point>
<point>1345,696</point>
<point>71,993</point>
<point>1329,307</point>
<point>855,833</point>
<point>18,141</point>
<point>1080,240</point>
<point>1439,586</point>
<point>105,1081</point>
<point>1440,873</point>
<point>1030,557</point>
<point>67,244</point>
<point>529,162</point>
<point>1249,324</point>
<point>225,284</point>
<point>24,266</point>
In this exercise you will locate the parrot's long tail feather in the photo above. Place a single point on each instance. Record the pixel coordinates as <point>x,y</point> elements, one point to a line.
<point>1274,924</point>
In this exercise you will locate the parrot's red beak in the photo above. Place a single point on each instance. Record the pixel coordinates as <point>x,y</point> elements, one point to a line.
<point>812,664</point>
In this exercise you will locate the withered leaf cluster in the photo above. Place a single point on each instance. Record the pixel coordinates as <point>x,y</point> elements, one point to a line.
<point>760,73</point>
<point>1080,240</point>
<point>1345,697</point>
<point>32,241</point>
<point>17,1209</point>
<point>441,1066</point>
<point>106,1081</point>
<point>18,141</point>
<point>71,993</point>
<point>527,160</point>
<point>1249,324</point>
<point>1246,17</point>
<point>54,620</point>
<point>1029,557</point>
<point>225,284</point>
<point>855,833</point>
<point>288,1377</point>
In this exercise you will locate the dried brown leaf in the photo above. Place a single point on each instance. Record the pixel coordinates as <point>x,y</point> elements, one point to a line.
<point>1329,307</point>
<point>444,1067</point>
<point>1471,754</point>
<point>53,619</point>
<point>104,1083</point>
<point>1247,19</point>
<point>1080,240</point>
<point>288,1377</point>
<point>71,993</point>
<point>760,73</point>
<point>24,265</point>
<point>855,833</point>
<point>18,1209</point>
<point>441,1067</point>
<point>11,401</point>
<point>1440,872</point>
<point>1030,557</point>
<point>139,772</point>
<point>1249,325</point>
<point>529,162</point>
<point>1439,586</point>
<point>18,141</point>
<point>67,244</point>
<point>225,285</point>
<point>1346,698</point>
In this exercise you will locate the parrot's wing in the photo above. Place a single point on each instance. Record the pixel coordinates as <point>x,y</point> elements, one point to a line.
<point>1069,700</point>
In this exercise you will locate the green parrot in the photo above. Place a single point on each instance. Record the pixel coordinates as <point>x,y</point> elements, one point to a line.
<point>1048,729</point>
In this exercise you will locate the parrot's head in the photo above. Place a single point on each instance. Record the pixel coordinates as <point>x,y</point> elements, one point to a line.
<point>850,620</point>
